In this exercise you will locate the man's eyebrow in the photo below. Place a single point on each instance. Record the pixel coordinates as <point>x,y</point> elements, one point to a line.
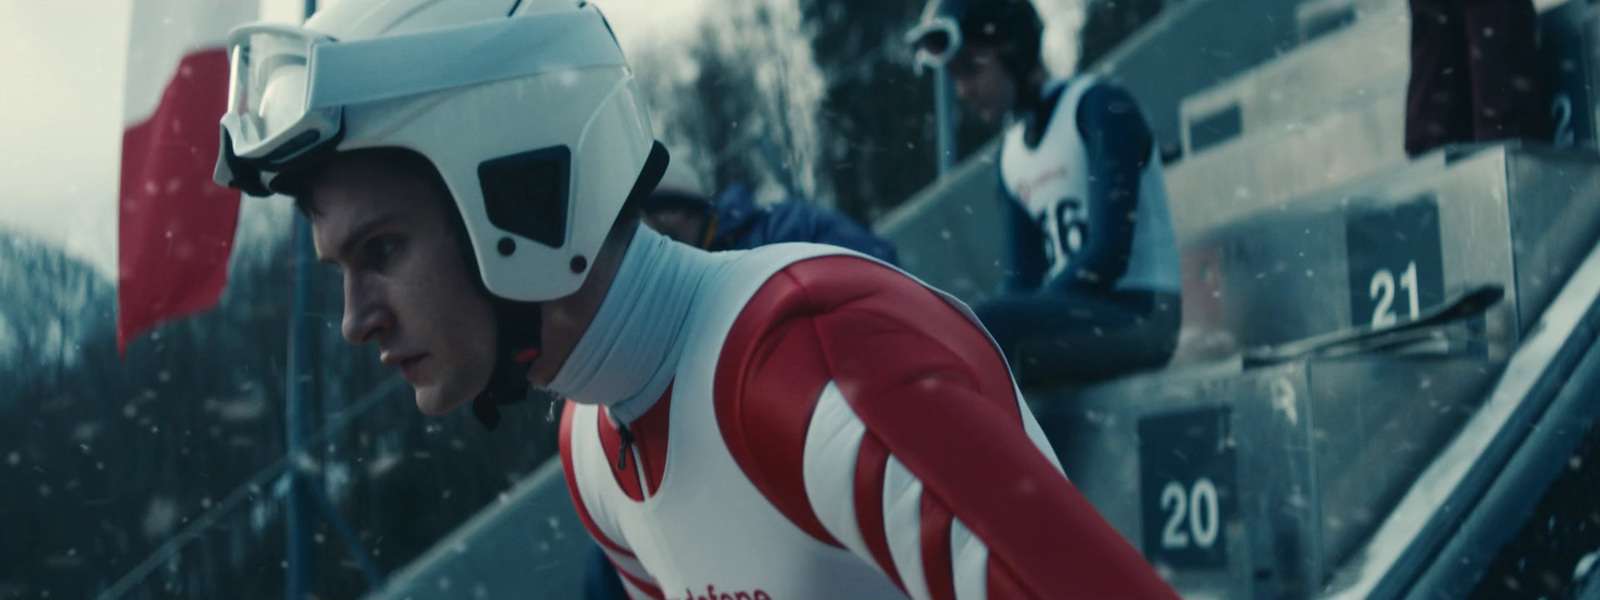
<point>357,235</point>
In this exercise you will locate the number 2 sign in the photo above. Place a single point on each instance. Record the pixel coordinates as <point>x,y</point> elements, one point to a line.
<point>1396,262</point>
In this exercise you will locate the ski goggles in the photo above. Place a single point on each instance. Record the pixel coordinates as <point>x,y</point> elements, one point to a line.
<point>289,86</point>
<point>936,42</point>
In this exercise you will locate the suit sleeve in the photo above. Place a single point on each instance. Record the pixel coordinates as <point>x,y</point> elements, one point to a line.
<point>1026,263</point>
<point>881,420</point>
<point>1118,143</point>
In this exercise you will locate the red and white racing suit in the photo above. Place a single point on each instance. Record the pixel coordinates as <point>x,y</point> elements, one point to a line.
<point>804,423</point>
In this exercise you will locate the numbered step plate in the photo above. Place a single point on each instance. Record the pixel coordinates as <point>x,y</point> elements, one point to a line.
<point>1187,487</point>
<point>1396,262</point>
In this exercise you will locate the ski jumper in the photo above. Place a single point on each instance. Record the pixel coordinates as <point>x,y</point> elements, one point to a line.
<point>1092,288</point>
<point>800,422</point>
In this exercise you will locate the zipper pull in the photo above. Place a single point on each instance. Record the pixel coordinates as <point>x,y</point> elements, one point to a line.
<point>627,443</point>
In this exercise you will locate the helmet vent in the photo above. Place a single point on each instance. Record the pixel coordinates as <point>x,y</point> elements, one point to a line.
<point>526,194</point>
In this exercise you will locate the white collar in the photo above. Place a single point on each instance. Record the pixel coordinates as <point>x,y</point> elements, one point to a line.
<point>630,352</point>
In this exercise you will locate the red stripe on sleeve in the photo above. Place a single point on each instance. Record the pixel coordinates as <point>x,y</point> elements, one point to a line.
<point>933,391</point>
<point>936,552</point>
<point>931,387</point>
<point>871,463</point>
<point>1001,585</point>
<point>1010,496</point>
<point>769,378</point>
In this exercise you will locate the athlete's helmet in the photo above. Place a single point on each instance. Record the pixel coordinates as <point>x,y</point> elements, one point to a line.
<point>526,108</point>
<point>948,24</point>
<point>680,187</point>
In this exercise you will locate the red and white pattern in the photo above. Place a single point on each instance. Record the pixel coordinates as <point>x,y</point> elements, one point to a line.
<point>838,430</point>
<point>175,226</point>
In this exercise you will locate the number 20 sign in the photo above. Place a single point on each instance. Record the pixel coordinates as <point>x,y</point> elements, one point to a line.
<point>1187,487</point>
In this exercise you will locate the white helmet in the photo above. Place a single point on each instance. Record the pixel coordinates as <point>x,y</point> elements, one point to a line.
<point>526,107</point>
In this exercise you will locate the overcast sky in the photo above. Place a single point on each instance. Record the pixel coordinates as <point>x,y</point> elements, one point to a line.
<point>61,69</point>
<point>62,66</point>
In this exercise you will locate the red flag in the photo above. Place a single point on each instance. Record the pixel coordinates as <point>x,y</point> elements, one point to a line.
<point>175,226</point>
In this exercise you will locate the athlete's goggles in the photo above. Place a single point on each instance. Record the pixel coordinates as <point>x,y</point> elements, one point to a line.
<point>936,42</point>
<point>289,86</point>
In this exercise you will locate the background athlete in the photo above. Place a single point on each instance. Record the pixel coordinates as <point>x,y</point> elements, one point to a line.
<point>682,209</point>
<point>1092,286</point>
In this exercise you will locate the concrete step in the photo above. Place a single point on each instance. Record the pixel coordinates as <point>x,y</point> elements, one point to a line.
<point>1270,169</point>
<point>1520,217</point>
<point>1368,59</point>
<point>1254,484</point>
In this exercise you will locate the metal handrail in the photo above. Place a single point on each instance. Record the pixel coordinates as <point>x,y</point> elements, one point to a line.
<point>1538,461</point>
<point>1436,504</point>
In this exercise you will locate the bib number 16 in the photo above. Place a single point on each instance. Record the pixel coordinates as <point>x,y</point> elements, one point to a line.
<point>1065,226</point>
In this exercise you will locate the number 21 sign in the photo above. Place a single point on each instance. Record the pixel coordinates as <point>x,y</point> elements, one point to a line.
<point>1396,262</point>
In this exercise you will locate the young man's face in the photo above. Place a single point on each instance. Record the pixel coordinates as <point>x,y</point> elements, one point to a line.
<point>680,224</point>
<point>982,82</point>
<point>407,286</point>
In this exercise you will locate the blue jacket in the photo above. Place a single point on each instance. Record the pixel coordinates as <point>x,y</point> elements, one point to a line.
<point>742,225</point>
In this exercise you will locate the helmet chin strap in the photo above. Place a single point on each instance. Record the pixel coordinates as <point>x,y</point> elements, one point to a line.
<point>518,325</point>
<point>517,344</point>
